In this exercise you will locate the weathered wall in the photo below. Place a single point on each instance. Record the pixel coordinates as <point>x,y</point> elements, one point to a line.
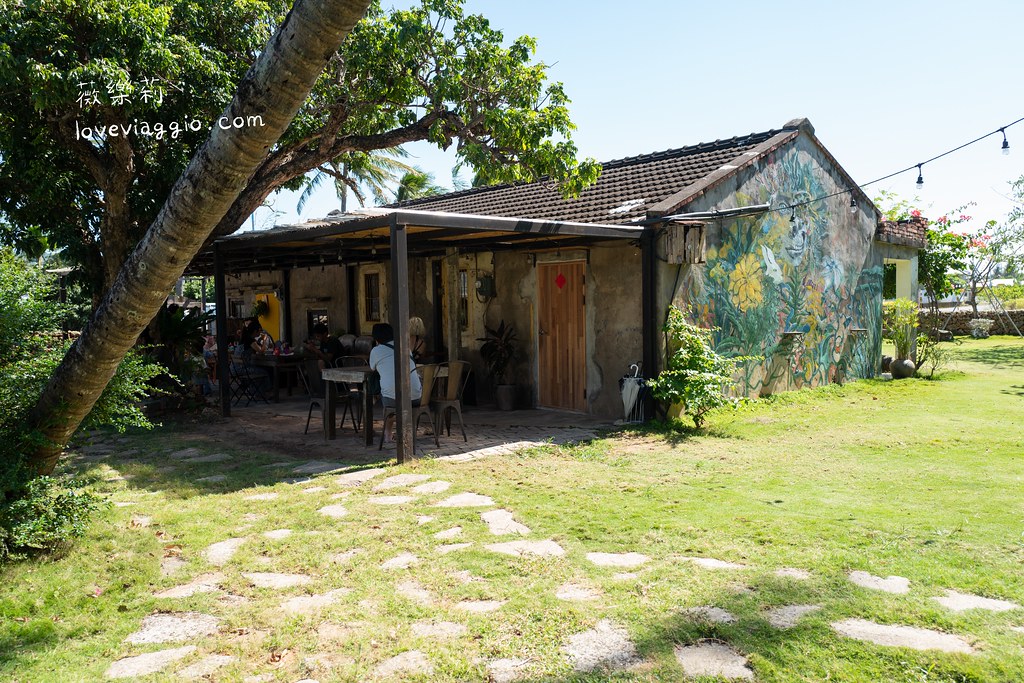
<point>315,289</point>
<point>814,275</point>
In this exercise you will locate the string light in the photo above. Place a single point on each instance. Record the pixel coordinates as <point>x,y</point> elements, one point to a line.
<point>853,203</point>
<point>920,178</point>
<point>1006,143</point>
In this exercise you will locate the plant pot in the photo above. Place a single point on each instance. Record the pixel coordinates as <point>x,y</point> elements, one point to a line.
<point>902,368</point>
<point>505,396</point>
<point>886,360</point>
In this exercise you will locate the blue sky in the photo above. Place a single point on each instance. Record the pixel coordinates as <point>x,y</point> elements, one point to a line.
<point>885,84</point>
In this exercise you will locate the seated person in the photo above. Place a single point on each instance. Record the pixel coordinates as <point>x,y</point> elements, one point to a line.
<point>327,349</point>
<point>382,359</point>
<point>254,342</point>
<point>417,338</point>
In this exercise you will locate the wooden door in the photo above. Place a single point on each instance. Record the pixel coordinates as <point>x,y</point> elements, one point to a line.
<point>561,292</point>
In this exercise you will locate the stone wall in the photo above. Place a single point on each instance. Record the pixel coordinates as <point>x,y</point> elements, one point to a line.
<point>960,325</point>
<point>910,233</point>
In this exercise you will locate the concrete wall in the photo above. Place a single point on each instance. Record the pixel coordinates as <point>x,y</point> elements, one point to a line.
<point>786,288</point>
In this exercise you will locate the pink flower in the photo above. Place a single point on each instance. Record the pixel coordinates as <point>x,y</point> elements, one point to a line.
<point>964,217</point>
<point>915,213</point>
<point>942,220</point>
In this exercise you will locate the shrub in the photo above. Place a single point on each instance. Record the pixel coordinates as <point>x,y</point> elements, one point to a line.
<point>696,377</point>
<point>899,322</point>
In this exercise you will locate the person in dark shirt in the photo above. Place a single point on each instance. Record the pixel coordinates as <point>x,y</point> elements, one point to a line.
<point>327,349</point>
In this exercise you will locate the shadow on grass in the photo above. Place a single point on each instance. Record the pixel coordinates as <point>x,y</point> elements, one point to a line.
<point>1005,356</point>
<point>1010,392</point>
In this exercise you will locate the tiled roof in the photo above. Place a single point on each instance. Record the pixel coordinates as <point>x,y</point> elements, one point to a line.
<point>626,188</point>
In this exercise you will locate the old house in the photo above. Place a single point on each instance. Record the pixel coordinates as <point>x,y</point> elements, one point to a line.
<point>764,236</point>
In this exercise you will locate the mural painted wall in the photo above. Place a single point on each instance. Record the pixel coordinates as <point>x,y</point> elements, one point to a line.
<point>790,287</point>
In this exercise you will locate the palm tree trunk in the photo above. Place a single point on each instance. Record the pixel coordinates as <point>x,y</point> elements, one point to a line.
<point>263,107</point>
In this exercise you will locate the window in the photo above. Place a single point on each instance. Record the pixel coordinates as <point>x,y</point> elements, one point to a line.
<point>236,308</point>
<point>314,317</point>
<point>371,296</point>
<point>463,299</point>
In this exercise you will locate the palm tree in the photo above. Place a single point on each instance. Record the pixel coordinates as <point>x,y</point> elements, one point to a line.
<point>360,173</point>
<point>416,183</point>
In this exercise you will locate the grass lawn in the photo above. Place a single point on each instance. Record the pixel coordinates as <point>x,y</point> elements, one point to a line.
<point>917,479</point>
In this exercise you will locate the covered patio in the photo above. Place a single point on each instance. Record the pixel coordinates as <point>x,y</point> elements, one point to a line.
<point>392,236</point>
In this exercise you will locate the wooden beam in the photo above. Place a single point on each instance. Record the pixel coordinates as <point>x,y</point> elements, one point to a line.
<point>451,291</point>
<point>221,296</point>
<point>400,324</point>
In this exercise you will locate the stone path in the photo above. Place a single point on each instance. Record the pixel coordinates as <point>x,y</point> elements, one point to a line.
<point>358,477</point>
<point>335,511</point>
<point>604,647</point>
<point>220,553</point>
<point>412,661</point>
<point>892,584</point>
<point>401,480</point>
<point>276,581</point>
<point>403,561</point>
<point>714,615</point>
<point>627,560</point>
<point>576,592</point>
<point>901,636</point>
<point>304,604</point>
<point>501,523</point>
<point>149,663</point>
<point>440,630</point>
<point>506,670</point>
<point>448,534</point>
<point>788,615</point>
<point>961,602</point>
<point>536,548</point>
<point>204,583</point>
<point>390,500</point>
<point>713,659</point>
<point>712,563</point>
<point>173,628</point>
<point>465,500</point>
<point>205,667</point>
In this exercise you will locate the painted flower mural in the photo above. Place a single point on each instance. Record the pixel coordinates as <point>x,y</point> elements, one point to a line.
<point>745,283</point>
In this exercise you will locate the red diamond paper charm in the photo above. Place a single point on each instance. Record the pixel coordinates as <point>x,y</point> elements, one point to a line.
<point>560,281</point>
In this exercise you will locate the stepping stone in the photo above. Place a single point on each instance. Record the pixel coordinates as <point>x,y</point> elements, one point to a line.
<point>212,479</point>
<point>479,606</point>
<point>792,573</point>
<point>788,615</point>
<point>715,615</point>
<point>204,583</point>
<point>316,467</point>
<point>272,580</point>
<point>506,670</point>
<point>304,604</point>
<point>432,487</point>
<point>500,523</point>
<point>574,591</point>
<point>450,548</point>
<point>171,565</point>
<point>327,662</point>
<point>893,584</point>
<point>463,576</point>
<point>961,602</point>
<point>465,500</point>
<point>401,480</point>
<point>713,659</point>
<point>606,646</point>
<point>440,630</point>
<point>336,496</point>
<point>338,633</point>
<point>252,517</point>
<point>205,666</point>
<point>277,534</point>
<point>314,489</point>
<point>140,521</point>
<point>403,561</point>
<point>213,457</point>
<point>448,534</point>
<point>185,453</point>
<point>263,496</point>
<point>415,592</point>
<point>342,558</point>
<point>149,663</point>
<point>901,636</point>
<point>173,627</point>
<point>546,548</point>
<point>1018,629</point>
<point>358,477</point>
<point>617,559</point>
<point>221,552</point>
<point>335,511</point>
<point>390,500</point>
<point>424,519</point>
<point>712,563</point>
<point>412,661</point>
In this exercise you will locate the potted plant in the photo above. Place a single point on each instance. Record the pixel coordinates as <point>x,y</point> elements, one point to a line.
<point>899,325</point>
<point>498,351</point>
<point>260,308</point>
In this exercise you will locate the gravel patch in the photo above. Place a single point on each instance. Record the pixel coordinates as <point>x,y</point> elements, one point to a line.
<point>713,659</point>
<point>316,467</point>
<point>617,559</point>
<point>506,670</point>
<point>901,636</point>
<point>450,548</point>
<point>221,552</point>
<point>277,534</point>
<point>335,511</point>
<point>793,573</point>
<point>575,591</point>
<point>787,615</point>
<point>714,615</point>
<point>149,663</point>
<point>412,661</point>
<point>401,480</point>
<point>712,563</point>
<point>501,523</point>
<point>276,581</point>
<point>479,606</point>
<point>448,534</point>
<point>304,604</point>
<point>358,477</point>
<point>606,646</point>
<point>546,548</point>
<point>173,627</point>
<point>432,487</point>
<point>961,602</point>
<point>892,584</point>
<point>465,500</point>
<point>204,583</point>
<point>390,500</point>
<point>439,630</point>
<point>204,667</point>
<point>403,561</point>
<point>415,592</point>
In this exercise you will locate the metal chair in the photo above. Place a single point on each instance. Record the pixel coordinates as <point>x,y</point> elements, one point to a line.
<point>450,398</point>
<point>363,345</point>
<point>348,342</point>
<point>320,401</point>
<point>245,384</point>
<point>428,378</point>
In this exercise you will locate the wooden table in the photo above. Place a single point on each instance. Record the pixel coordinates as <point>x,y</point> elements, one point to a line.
<point>354,375</point>
<point>290,364</point>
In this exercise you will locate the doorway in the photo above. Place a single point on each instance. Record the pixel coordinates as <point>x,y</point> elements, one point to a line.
<point>562,357</point>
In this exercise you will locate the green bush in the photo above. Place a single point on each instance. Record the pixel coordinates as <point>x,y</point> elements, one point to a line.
<point>899,325</point>
<point>43,513</point>
<point>696,377</point>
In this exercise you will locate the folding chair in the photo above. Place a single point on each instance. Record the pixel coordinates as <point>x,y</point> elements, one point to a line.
<point>244,383</point>
<point>450,398</point>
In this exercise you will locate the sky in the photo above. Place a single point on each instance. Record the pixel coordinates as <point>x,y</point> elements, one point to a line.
<point>886,85</point>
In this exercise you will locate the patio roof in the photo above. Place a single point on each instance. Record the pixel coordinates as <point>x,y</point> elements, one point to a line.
<point>363,238</point>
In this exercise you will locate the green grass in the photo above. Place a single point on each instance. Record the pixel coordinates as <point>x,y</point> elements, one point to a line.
<point>921,479</point>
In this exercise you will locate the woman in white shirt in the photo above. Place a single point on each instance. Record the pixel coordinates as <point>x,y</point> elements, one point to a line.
<point>382,359</point>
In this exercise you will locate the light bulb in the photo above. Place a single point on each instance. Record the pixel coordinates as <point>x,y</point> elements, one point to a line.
<point>853,204</point>
<point>920,178</point>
